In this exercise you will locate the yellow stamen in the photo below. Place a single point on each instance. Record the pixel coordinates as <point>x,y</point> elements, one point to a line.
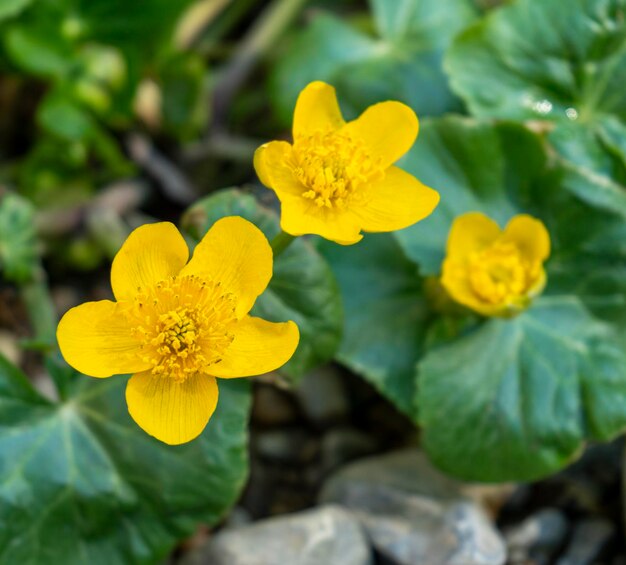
<point>500,275</point>
<point>332,166</point>
<point>184,325</point>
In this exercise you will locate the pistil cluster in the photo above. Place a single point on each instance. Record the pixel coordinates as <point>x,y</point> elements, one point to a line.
<point>184,325</point>
<point>499,274</point>
<point>332,166</point>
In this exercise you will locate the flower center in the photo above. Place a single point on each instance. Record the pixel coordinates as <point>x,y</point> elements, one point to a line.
<point>184,325</point>
<point>500,275</point>
<point>332,166</point>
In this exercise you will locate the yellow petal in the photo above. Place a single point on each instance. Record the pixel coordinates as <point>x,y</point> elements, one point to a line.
<point>271,165</point>
<point>235,253</point>
<point>454,278</point>
<point>150,254</point>
<point>316,110</point>
<point>95,339</point>
<point>530,236</point>
<point>300,216</point>
<point>259,347</point>
<point>538,284</point>
<point>173,412</point>
<point>470,233</point>
<point>388,130</point>
<point>398,201</point>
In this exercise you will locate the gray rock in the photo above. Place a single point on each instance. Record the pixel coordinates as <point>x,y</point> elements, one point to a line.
<point>414,514</point>
<point>537,538</point>
<point>322,395</point>
<point>589,539</point>
<point>327,535</point>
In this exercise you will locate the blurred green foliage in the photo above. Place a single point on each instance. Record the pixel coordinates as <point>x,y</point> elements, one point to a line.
<point>19,256</point>
<point>87,61</point>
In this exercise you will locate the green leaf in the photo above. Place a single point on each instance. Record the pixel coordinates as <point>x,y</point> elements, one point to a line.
<point>302,288</point>
<point>37,51</point>
<point>11,8</point>
<point>182,76</point>
<point>82,483</point>
<point>402,61</point>
<point>66,119</point>
<point>498,169</point>
<point>593,161</point>
<point>535,60</point>
<point>385,314</point>
<point>516,399</point>
<point>60,115</point>
<point>18,244</point>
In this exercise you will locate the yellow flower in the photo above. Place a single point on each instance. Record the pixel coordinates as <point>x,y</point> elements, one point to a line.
<point>178,325</point>
<point>492,271</point>
<point>338,178</point>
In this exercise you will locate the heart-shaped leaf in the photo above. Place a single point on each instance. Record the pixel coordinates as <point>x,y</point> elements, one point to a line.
<point>80,482</point>
<point>516,399</point>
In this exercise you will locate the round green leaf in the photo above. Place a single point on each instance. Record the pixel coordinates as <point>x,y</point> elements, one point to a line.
<point>302,289</point>
<point>537,60</point>
<point>80,482</point>
<point>402,61</point>
<point>18,243</point>
<point>385,314</point>
<point>516,399</point>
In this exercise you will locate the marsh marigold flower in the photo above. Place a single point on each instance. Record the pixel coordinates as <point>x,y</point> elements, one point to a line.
<point>178,325</point>
<point>338,178</point>
<point>492,271</point>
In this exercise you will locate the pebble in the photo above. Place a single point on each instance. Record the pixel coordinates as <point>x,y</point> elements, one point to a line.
<point>413,513</point>
<point>589,538</point>
<point>327,535</point>
<point>537,538</point>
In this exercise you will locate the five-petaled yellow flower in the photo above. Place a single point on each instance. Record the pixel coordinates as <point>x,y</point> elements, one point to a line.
<point>338,178</point>
<point>492,271</point>
<point>178,325</point>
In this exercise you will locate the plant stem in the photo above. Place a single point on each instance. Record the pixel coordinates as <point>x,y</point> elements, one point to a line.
<point>281,242</point>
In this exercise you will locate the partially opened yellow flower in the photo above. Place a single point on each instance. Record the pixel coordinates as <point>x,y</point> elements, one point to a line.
<point>492,271</point>
<point>338,178</point>
<point>178,325</point>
